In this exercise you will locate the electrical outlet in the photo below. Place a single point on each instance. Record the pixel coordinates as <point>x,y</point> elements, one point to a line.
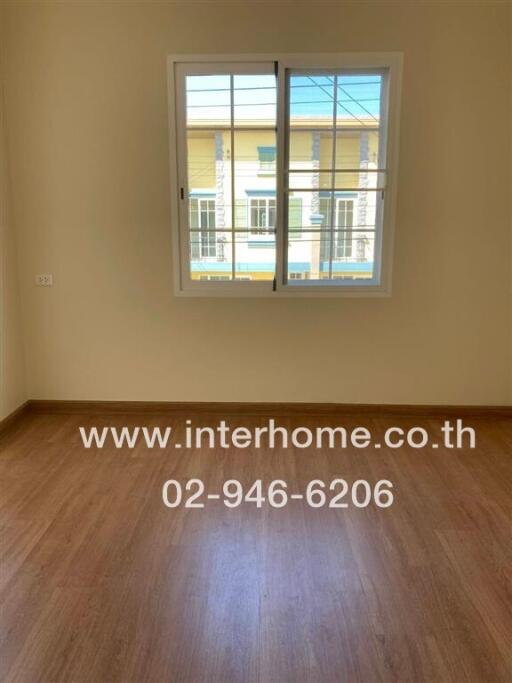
<point>44,280</point>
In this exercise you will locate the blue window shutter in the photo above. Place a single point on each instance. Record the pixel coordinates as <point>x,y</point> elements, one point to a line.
<point>267,154</point>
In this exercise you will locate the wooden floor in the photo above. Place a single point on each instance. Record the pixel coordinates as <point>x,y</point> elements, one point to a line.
<point>100,582</point>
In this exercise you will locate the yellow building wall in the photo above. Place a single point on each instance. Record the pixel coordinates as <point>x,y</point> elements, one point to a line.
<point>201,153</point>
<point>201,160</point>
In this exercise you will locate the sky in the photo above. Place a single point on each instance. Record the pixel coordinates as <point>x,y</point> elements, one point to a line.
<point>311,96</point>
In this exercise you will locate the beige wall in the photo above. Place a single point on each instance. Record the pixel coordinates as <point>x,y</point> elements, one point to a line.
<point>87,118</point>
<point>12,363</point>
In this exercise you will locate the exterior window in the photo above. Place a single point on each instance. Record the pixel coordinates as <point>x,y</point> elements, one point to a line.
<point>344,224</point>
<point>284,174</point>
<point>263,215</point>
<point>202,224</point>
<point>267,157</point>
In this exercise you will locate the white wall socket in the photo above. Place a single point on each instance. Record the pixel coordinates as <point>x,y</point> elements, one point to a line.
<point>44,280</point>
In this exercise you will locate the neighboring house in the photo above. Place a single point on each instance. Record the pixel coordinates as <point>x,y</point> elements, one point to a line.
<point>310,209</point>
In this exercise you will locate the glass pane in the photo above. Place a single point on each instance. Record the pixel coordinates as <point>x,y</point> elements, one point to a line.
<point>210,252</point>
<point>352,256</point>
<point>209,180</point>
<point>255,255</point>
<point>367,179</point>
<point>365,210</point>
<point>308,257</point>
<point>308,152</point>
<point>208,101</point>
<point>208,163</point>
<point>363,179</point>
<point>358,150</point>
<point>255,204</point>
<point>331,227</point>
<point>254,100</point>
<point>313,150</point>
<point>359,98</point>
<point>310,180</point>
<point>255,168</point>
<point>355,148</point>
<point>310,149</point>
<point>333,175</point>
<point>311,100</point>
<point>227,158</point>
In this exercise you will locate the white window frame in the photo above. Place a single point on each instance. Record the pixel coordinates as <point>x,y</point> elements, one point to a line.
<point>200,201</point>
<point>336,226</point>
<point>265,230</point>
<point>380,285</point>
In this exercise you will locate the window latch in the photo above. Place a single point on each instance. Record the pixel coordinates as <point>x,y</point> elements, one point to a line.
<point>182,193</point>
<point>274,285</point>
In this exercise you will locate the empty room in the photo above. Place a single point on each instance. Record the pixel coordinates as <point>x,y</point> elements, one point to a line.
<point>256,341</point>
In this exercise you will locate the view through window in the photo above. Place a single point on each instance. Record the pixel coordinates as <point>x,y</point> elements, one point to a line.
<point>333,162</point>
<point>231,124</point>
<point>315,203</point>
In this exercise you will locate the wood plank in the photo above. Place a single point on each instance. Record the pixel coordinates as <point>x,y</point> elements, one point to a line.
<point>11,421</point>
<point>101,583</point>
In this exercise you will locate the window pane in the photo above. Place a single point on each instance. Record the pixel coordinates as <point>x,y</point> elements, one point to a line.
<point>310,149</point>
<point>209,168</point>
<point>232,164</point>
<point>354,147</point>
<point>359,98</point>
<point>333,171</point>
<point>311,101</point>
<point>352,256</point>
<point>255,255</point>
<point>310,180</point>
<point>364,178</point>
<point>358,150</point>
<point>253,178</point>
<point>328,228</point>
<point>209,194</point>
<point>307,256</point>
<point>254,100</point>
<point>210,255</point>
<point>255,191</point>
<point>208,101</point>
